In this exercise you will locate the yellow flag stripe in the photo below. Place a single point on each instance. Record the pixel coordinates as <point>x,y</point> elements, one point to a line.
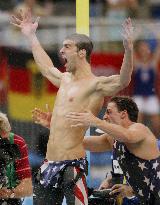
<point>82,16</point>
<point>20,105</point>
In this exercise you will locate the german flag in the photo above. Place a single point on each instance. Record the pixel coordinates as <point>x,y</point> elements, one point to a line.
<point>3,77</point>
<point>27,87</point>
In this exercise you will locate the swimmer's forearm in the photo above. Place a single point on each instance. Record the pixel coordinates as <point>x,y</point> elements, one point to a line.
<point>116,131</point>
<point>127,68</point>
<point>41,58</point>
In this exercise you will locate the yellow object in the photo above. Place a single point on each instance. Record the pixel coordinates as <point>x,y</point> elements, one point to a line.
<point>120,199</point>
<point>21,105</point>
<point>82,16</point>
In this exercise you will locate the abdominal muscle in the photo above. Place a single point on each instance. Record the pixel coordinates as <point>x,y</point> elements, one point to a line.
<point>65,142</point>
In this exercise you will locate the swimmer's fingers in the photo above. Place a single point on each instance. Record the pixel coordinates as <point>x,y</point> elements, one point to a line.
<point>17,25</point>
<point>37,115</point>
<point>127,30</point>
<point>41,115</point>
<point>28,15</point>
<point>36,118</point>
<point>127,26</point>
<point>15,20</point>
<point>36,111</point>
<point>79,122</point>
<point>78,115</point>
<point>75,113</point>
<point>37,20</point>
<point>21,14</point>
<point>48,109</point>
<point>86,118</point>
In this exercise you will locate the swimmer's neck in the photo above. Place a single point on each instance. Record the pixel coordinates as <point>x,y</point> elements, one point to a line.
<point>82,72</point>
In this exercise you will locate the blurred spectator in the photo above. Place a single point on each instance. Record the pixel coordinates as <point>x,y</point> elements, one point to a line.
<point>159,144</point>
<point>96,7</point>
<point>143,9</point>
<point>36,8</point>
<point>115,12</point>
<point>145,78</point>
<point>7,5</point>
<point>154,8</point>
<point>49,7</point>
<point>119,9</point>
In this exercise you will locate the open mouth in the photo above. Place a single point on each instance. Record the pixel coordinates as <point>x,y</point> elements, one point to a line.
<point>64,60</point>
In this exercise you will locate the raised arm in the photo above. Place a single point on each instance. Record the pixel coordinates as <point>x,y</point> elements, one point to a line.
<point>113,84</point>
<point>127,65</point>
<point>28,28</point>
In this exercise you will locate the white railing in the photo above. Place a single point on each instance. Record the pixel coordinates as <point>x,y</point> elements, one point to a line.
<point>53,30</point>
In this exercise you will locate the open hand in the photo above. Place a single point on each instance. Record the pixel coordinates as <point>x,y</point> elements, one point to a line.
<point>127,34</point>
<point>81,118</point>
<point>41,117</point>
<point>23,20</point>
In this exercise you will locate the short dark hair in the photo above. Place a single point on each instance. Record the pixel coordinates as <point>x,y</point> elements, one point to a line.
<point>82,41</point>
<point>126,103</point>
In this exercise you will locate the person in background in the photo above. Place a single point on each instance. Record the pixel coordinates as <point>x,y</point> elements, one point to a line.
<point>121,9</point>
<point>37,9</point>
<point>16,180</point>
<point>145,90</point>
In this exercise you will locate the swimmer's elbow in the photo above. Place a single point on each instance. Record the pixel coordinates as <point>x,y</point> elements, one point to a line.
<point>125,83</point>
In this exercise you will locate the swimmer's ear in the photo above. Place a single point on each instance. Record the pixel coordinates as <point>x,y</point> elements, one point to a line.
<point>82,53</point>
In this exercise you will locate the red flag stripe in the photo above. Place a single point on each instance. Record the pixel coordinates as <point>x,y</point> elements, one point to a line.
<point>80,190</point>
<point>79,194</point>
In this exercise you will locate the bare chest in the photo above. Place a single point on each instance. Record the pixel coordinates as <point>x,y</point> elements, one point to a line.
<point>72,94</point>
<point>77,96</point>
